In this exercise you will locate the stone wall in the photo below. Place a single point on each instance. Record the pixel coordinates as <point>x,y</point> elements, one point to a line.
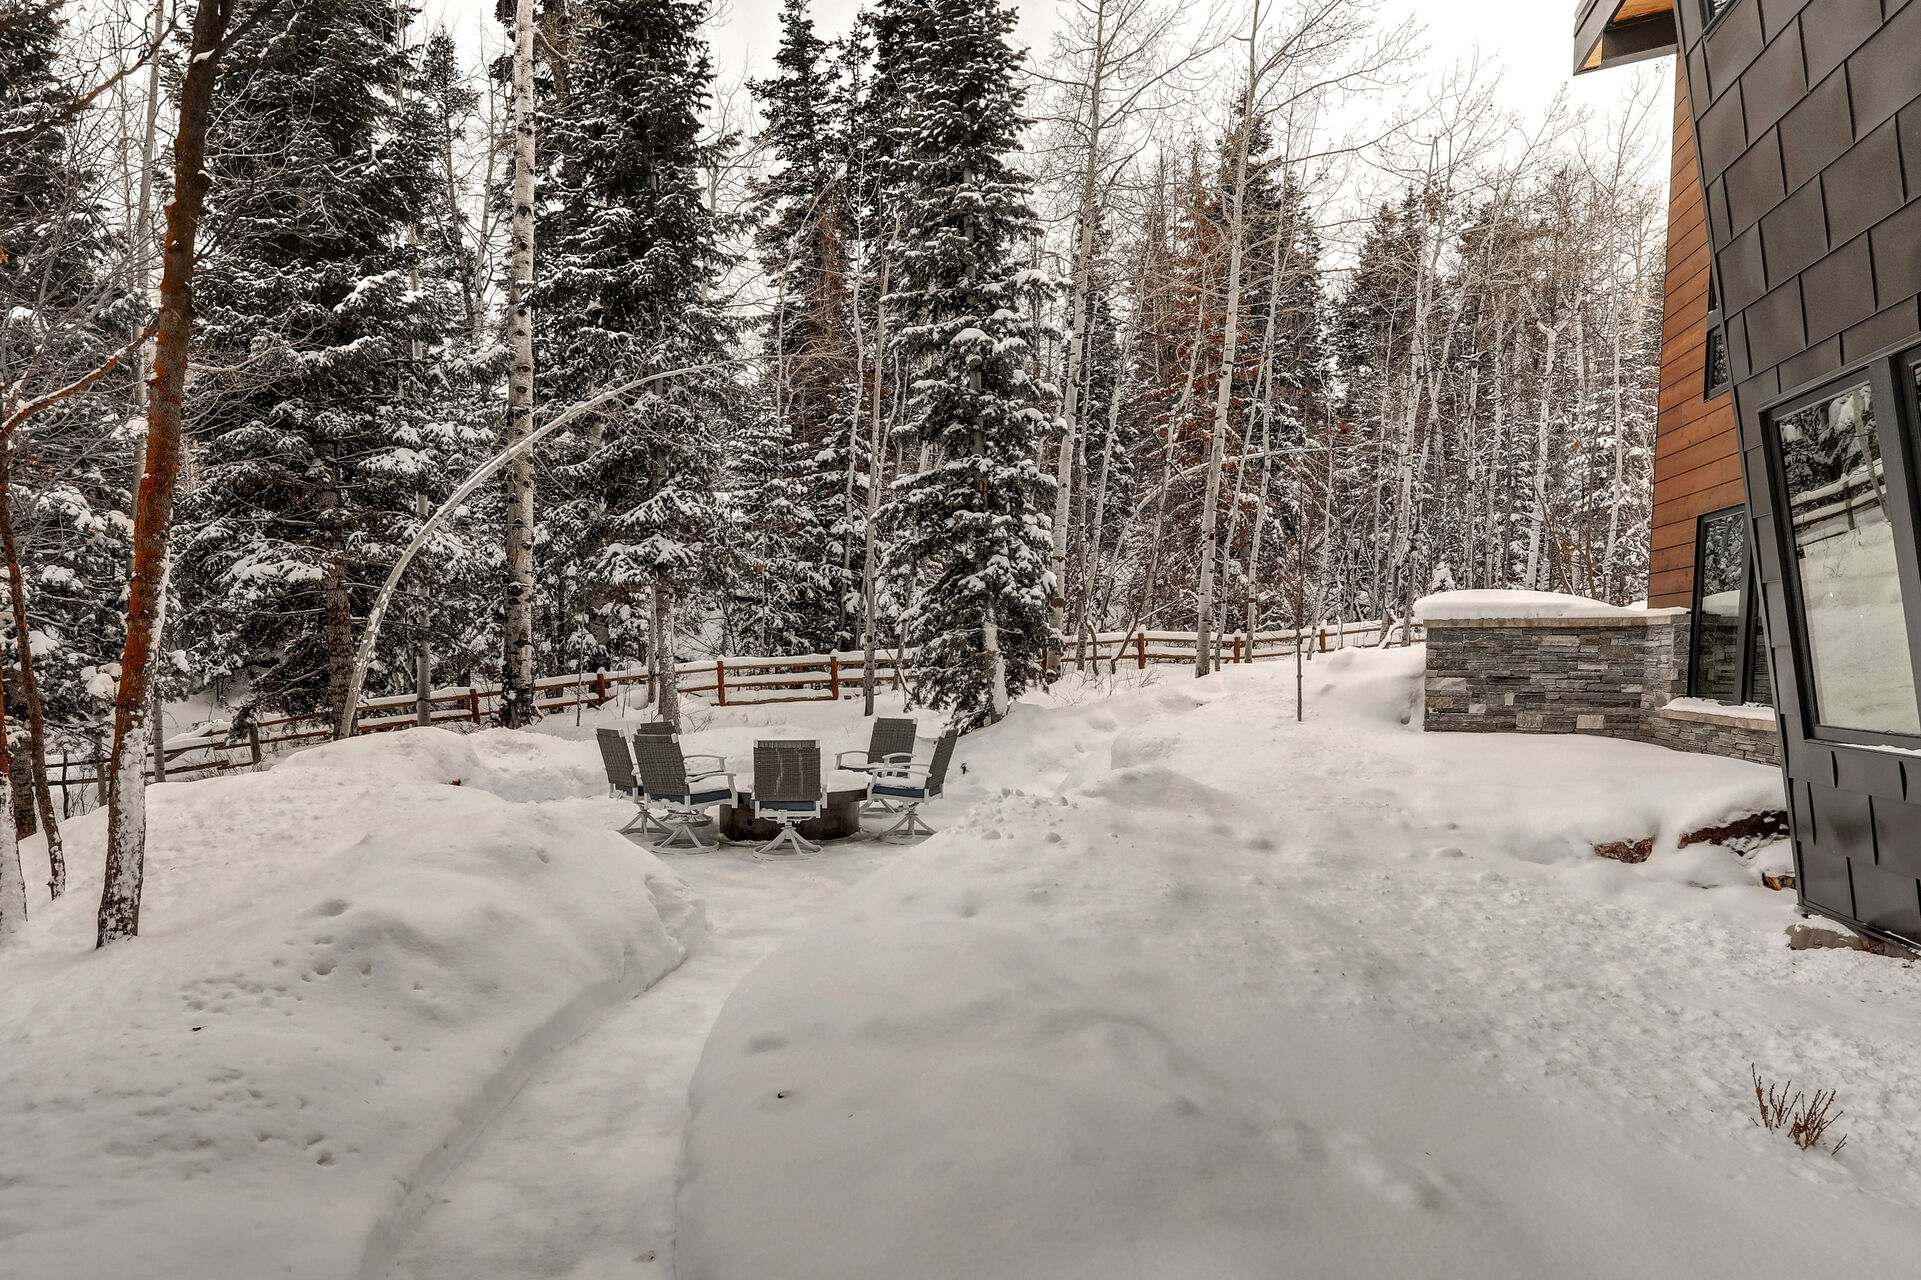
<point>1611,676</point>
<point>1742,737</point>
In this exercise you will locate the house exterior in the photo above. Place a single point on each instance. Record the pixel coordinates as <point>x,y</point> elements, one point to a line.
<point>1788,473</point>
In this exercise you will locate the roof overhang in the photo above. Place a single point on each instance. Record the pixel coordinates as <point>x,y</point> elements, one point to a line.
<point>1612,33</point>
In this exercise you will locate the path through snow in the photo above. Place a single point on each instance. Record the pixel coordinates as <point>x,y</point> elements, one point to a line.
<point>575,1179</point>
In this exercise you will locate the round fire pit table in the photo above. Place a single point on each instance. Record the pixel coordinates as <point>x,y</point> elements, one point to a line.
<point>840,820</point>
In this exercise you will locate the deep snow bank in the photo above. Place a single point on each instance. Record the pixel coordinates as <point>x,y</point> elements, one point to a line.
<point>1189,990</point>
<point>345,965</point>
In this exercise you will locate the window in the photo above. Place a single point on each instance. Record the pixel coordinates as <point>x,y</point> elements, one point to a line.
<point>1712,9</point>
<point>1728,661</point>
<point>1720,573</point>
<point>1860,671</point>
<point>1718,374</point>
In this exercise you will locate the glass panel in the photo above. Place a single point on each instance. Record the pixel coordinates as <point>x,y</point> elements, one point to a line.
<point>1844,553</point>
<point>1718,372</point>
<point>1721,564</point>
<point>1712,8</point>
<point>1760,682</point>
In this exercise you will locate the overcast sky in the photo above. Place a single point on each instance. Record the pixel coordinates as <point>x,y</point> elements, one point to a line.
<point>1531,40</point>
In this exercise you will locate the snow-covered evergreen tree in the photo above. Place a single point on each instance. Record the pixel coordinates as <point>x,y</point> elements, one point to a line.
<point>629,261</point>
<point>320,431</point>
<point>973,534</point>
<point>64,308</point>
<point>818,500</point>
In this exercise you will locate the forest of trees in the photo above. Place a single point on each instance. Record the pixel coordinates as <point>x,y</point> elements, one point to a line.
<point>919,342</point>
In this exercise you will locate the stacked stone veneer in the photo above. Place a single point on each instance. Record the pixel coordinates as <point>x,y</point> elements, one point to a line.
<point>1612,676</point>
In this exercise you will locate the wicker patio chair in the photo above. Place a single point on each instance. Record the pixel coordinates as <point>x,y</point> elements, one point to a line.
<point>787,790</point>
<point>684,792</point>
<point>913,785</point>
<point>624,784</point>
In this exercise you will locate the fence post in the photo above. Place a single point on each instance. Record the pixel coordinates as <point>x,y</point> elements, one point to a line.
<point>833,677</point>
<point>720,682</point>
<point>600,689</point>
<point>473,703</point>
<point>253,741</point>
<point>1237,649</point>
<point>1140,649</point>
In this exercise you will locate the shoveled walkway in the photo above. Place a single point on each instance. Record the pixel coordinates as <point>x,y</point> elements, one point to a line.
<point>576,1177</point>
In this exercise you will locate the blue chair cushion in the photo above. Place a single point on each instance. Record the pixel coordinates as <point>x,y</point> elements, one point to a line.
<point>699,797</point>
<point>788,806</point>
<point>900,791</point>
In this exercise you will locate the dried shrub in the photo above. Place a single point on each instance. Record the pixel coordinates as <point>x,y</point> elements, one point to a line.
<point>1743,835</point>
<point>1627,850</point>
<point>1805,1119</point>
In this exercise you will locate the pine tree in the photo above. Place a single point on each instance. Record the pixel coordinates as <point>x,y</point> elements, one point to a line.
<point>816,511</point>
<point>64,499</point>
<point>973,537</point>
<point>315,447</point>
<point>627,282</point>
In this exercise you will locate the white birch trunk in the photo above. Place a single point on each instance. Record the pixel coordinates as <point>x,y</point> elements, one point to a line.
<point>1224,391</point>
<point>517,702</point>
<point>1537,524</point>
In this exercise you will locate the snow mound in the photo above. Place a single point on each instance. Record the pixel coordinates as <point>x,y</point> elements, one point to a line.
<point>1187,988</point>
<point>1455,606</point>
<point>346,966</point>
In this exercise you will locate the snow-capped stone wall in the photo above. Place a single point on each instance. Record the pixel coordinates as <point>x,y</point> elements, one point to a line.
<point>1604,671</point>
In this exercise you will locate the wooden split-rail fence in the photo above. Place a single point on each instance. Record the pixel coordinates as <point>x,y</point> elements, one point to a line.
<point>720,682</point>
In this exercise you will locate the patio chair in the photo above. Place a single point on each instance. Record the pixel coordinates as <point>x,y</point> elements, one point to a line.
<point>913,785</point>
<point>657,728</point>
<point>787,790</point>
<point>892,743</point>
<point>684,792</point>
<point>622,782</point>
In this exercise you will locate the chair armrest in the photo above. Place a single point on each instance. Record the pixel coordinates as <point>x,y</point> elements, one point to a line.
<point>899,757</point>
<point>699,781</point>
<point>721,767</point>
<point>901,772</point>
<point>840,759</point>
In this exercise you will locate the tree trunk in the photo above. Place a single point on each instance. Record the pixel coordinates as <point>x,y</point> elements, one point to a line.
<point>1076,356</point>
<point>119,915</point>
<point>517,701</point>
<point>870,564</point>
<point>1224,391</point>
<point>423,651</point>
<point>13,878</point>
<point>664,649</point>
<point>29,685</point>
<point>1538,525</point>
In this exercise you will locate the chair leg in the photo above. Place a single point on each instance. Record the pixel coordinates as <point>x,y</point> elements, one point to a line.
<point>682,828</point>
<point>911,824</point>
<point>645,824</point>
<point>790,837</point>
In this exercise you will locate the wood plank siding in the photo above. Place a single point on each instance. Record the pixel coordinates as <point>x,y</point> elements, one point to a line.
<point>1697,450</point>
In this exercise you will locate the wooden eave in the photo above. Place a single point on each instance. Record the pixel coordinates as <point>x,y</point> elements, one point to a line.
<point>1613,33</point>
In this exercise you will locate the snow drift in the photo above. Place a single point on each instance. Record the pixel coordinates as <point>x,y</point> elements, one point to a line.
<point>1190,990</point>
<point>346,964</point>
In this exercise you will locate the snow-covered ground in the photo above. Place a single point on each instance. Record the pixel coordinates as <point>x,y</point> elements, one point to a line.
<point>1189,990</point>
<point>346,965</point>
<point>1183,989</point>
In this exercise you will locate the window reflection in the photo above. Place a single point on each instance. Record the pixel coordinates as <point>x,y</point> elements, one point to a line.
<point>1721,565</point>
<point>1844,554</point>
<point>1760,681</point>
